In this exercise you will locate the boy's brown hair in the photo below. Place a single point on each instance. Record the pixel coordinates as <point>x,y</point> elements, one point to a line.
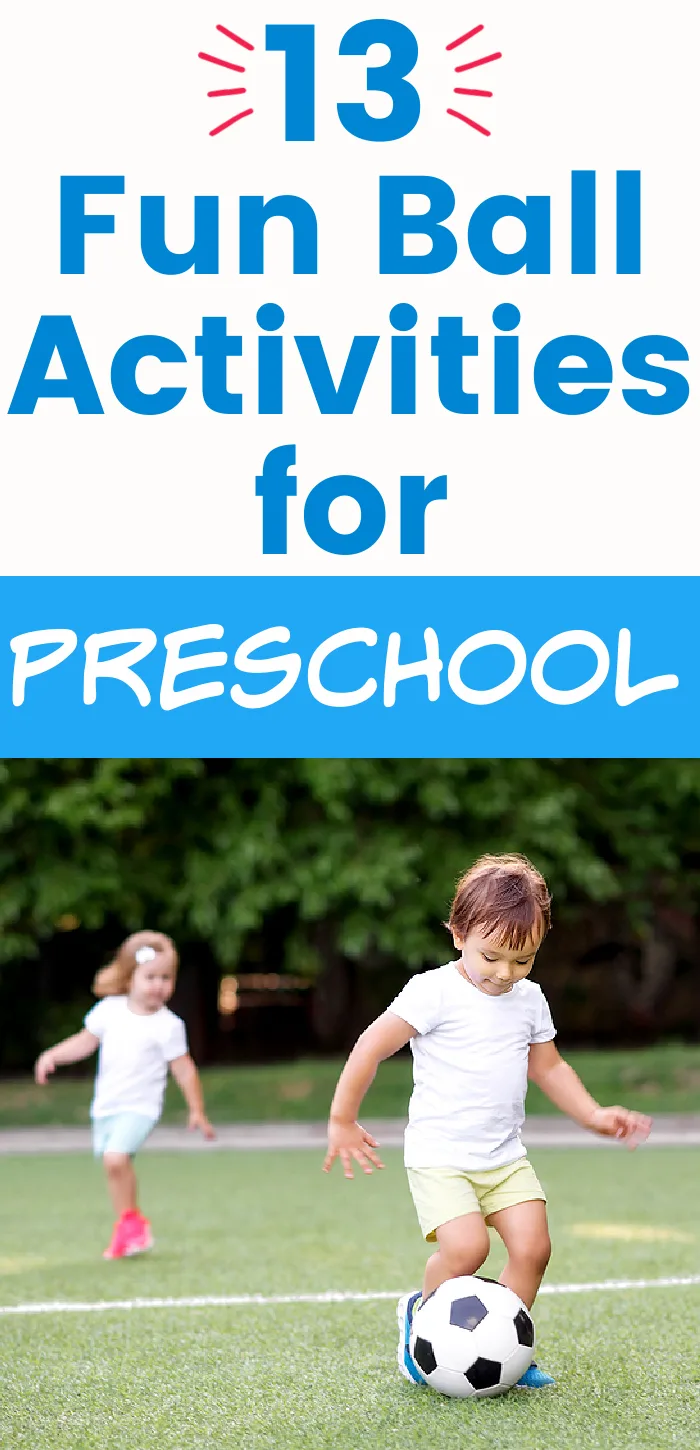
<point>506,898</point>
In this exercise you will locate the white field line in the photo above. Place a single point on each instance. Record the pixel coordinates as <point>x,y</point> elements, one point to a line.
<point>224,1301</point>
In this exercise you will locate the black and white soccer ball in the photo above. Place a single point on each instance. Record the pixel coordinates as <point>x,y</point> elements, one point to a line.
<point>472,1338</point>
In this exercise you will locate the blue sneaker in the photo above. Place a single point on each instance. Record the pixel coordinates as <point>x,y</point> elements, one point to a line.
<point>404,1315</point>
<point>534,1379</point>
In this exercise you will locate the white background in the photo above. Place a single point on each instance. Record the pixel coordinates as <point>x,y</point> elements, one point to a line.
<point>88,87</point>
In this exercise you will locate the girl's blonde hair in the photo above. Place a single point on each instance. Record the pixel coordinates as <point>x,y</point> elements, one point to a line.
<point>115,979</point>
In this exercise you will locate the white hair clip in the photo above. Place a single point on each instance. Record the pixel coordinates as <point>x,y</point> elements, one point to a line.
<point>145,954</point>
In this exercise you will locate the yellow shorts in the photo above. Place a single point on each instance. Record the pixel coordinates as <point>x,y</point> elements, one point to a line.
<point>441,1194</point>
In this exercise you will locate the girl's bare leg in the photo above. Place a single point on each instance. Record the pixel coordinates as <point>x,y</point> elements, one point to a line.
<point>121,1181</point>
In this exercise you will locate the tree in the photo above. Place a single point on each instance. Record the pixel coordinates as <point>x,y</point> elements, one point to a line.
<point>321,864</point>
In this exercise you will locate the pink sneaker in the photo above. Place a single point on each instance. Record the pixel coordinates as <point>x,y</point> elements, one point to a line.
<point>117,1246</point>
<point>139,1236</point>
<point>132,1235</point>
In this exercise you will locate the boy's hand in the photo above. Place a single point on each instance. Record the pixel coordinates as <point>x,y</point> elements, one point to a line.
<point>43,1067</point>
<point>618,1122</point>
<point>198,1120</point>
<point>347,1141</point>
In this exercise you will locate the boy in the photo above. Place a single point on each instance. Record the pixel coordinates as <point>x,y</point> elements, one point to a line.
<point>478,1029</point>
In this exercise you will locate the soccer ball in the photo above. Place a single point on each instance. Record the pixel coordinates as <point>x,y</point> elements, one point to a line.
<point>472,1338</point>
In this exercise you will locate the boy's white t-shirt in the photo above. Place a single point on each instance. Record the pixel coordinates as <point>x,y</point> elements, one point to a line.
<point>135,1051</point>
<point>470,1062</point>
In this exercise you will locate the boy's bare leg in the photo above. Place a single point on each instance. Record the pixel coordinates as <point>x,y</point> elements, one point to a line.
<point>524,1231</point>
<point>121,1181</point>
<point>463,1245</point>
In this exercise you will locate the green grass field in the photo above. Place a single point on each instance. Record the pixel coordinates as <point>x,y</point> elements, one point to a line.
<point>323,1377</point>
<point>664,1079</point>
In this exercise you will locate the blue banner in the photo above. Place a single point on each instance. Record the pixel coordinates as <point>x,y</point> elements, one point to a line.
<point>355,666</point>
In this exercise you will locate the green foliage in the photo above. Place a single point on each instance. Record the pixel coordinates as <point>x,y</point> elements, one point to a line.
<point>358,855</point>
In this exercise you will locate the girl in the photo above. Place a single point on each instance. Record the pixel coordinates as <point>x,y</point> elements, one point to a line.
<point>478,1029</point>
<point>139,1038</point>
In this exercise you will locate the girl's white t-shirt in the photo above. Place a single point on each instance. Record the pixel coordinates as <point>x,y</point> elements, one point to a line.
<point>135,1051</point>
<point>470,1062</point>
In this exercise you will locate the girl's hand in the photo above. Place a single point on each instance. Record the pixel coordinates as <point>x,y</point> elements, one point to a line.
<point>347,1141</point>
<point>43,1067</point>
<point>198,1120</point>
<point>618,1122</point>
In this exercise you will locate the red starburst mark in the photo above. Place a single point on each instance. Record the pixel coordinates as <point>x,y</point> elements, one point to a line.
<point>468,91</point>
<point>229,65</point>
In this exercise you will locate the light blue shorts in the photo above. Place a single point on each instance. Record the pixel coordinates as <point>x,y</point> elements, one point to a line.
<point>120,1133</point>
